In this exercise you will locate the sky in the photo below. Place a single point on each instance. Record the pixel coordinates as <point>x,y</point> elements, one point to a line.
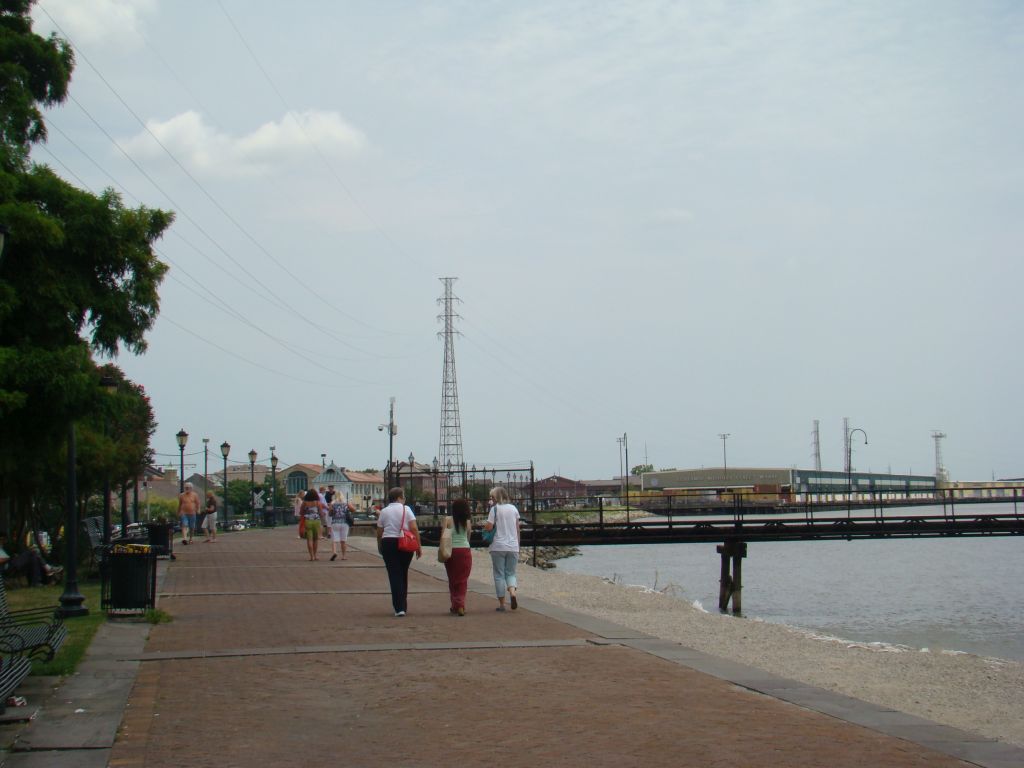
<point>669,221</point>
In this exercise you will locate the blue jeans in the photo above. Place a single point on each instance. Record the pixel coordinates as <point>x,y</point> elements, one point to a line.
<point>504,566</point>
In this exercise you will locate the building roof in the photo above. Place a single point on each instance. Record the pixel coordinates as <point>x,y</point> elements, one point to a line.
<point>364,477</point>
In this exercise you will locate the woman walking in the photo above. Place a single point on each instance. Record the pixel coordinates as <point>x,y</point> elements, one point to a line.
<point>395,518</point>
<point>341,519</point>
<point>311,516</point>
<point>503,518</point>
<point>460,563</point>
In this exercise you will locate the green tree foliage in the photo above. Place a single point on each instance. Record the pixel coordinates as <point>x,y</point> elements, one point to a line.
<point>639,469</point>
<point>77,276</point>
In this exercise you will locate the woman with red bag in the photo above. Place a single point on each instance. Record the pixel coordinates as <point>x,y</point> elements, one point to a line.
<point>397,522</point>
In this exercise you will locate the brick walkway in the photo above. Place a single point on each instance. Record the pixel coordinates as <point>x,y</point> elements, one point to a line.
<point>274,660</point>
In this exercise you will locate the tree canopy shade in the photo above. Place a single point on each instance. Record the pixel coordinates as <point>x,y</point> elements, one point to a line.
<point>78,276</point>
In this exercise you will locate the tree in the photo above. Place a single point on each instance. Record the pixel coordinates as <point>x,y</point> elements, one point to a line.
<point>639,469</point>
<point>78,275</point>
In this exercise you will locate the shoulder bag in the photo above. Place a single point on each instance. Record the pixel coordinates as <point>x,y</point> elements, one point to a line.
<point>407,541</point>
<point>444,546</point>
<point>488,536</point>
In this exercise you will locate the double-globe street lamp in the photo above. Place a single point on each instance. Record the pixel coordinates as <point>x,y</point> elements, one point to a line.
<point>225,449</point>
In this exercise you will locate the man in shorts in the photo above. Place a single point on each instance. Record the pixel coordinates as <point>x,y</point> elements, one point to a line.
<point>188,505</point>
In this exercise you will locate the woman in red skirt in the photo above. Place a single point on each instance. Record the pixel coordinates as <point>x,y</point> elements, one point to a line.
<point>460,563</point>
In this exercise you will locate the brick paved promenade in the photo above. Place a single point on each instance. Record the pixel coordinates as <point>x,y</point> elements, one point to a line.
<point>272,660</point>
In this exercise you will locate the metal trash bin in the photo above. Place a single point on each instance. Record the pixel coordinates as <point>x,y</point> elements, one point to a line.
<point>129,578</point>
<point>269,517</point>
<point>161,538</point>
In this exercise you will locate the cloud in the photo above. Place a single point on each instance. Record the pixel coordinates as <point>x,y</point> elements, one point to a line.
<point>96,22</point>
<point>296,136</point>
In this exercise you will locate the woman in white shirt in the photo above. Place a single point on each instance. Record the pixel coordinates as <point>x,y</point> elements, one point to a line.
<point>395,518</point>
<point>503,518</point>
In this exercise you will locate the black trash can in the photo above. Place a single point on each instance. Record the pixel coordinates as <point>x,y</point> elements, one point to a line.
<point>129,578</point>
<point>269,517</point>
<point>161,538</point>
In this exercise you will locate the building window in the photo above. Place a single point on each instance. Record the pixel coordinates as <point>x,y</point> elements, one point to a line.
<point>297,481</point>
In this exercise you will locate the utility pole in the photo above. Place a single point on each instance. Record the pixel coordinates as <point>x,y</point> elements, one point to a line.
<point>817,445</point>
<point>625,447</point>
<point>725,463</point>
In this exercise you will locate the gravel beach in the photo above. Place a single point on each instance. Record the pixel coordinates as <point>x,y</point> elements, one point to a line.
<point>974,693</point>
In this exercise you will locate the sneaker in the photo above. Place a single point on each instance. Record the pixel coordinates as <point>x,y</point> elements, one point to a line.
<point>400,613</point>
<point>500,609</point>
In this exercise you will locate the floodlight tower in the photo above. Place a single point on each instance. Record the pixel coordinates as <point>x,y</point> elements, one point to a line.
<point>941,473</point>
<point>450,447</point>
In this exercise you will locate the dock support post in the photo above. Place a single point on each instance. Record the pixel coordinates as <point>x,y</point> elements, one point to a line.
<point>731,580</point>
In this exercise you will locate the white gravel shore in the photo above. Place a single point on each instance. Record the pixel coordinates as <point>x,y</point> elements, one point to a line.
<point>982,695</point>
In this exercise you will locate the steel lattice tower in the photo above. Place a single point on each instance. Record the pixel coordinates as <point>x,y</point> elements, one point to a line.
<point>450,448</point>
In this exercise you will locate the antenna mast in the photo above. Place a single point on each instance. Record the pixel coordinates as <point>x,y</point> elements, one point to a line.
<point>450,447</point>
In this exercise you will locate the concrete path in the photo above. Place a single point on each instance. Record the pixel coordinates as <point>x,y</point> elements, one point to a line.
<point>274,660</point>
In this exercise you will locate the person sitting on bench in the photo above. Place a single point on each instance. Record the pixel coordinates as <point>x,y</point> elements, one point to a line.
<point>28,563</point>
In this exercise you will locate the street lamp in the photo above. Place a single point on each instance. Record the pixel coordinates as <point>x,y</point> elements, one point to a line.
<point>182,437</point>
<point>206,463</point>
<point>225,449</point>
<point>412,462</point>
<point>273,481</point>
<point>71,600</point>
<point>392,431</point>
<point>109,385</point>
<point>723,436</point>
<point>849,466</point>
<point>252,483</point>
<point>323,461</point>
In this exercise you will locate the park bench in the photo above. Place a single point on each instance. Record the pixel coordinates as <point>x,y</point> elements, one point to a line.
<point>32,632</point>
<point>14,668</point>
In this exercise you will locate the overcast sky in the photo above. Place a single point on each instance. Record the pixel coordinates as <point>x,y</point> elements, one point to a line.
<point>671,220</point>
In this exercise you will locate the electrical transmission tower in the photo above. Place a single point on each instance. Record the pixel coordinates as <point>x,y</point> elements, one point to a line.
<point>846,444</point>
<point>941,473</point>
<point>817,445</point>
<point>450,448</point>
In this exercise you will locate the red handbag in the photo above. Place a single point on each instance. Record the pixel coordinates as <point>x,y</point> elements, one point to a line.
<point>407,541</point>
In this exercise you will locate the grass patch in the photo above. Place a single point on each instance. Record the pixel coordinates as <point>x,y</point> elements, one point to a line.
<point>157,616</point>
<point>80,629</point>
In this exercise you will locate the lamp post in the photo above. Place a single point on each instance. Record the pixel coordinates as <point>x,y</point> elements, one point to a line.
<point>273,481</point>
<point>252,483</point>
<point>323,461</point>
<point>182,437</point>
<point>849,466</point>
<point>437,504</point>
<point>392,429</point>
<point>225,449</point>
<point>71,599</point>
<point>206,464</point>
<point>625,448</point>
<point>412,462</point>
<point>109,385</point>
<point>723,436</point>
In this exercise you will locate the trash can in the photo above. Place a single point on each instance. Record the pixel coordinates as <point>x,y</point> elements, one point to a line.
<point>269,517</point>
<point>129,578</point>
<point>161,538</point>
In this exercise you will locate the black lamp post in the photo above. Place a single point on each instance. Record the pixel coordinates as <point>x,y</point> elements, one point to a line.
<point>252,483</point>
<point>849,466</point>
<point>71,600</point>
<point>182,437</point>
<point>412,462</point>
<point>437,501</point>
<point>392,429</point>
<point>273,482</point>
<point>206,465</point>
<point>109,385</point>
<point>225,449</point>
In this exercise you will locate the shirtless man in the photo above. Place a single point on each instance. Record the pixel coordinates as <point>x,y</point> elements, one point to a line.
<point>188,505</point>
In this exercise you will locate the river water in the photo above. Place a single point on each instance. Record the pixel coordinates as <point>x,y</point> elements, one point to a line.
<point>956,594</point>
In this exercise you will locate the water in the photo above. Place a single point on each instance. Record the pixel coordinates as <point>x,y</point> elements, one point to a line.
<point>956,594</point>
